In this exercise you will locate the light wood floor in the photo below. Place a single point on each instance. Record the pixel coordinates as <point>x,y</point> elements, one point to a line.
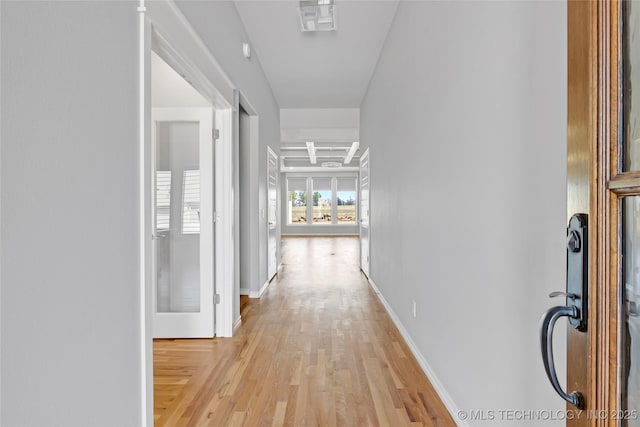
<point>318,349</point>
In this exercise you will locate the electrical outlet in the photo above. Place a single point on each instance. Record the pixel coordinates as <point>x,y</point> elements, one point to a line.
<point>414,309</point>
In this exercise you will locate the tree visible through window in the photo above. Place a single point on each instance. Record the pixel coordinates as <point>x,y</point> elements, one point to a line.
<point>297,197</point>
<point>322,200</point>
<point>298,207</point>
<point>346,200</point>
<point>346,204</point>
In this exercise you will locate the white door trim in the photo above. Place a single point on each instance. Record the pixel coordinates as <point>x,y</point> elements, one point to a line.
<point>224,222</point>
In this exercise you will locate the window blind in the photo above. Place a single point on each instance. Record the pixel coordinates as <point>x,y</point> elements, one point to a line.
<point>297,184</point>
<point>347,184</point>
<point>321,184</point>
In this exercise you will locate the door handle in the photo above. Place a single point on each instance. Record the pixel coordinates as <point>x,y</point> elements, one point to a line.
<point>576,305</point>
<point>546,335</point>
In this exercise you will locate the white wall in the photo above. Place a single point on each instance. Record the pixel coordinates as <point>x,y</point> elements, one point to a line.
<point>70,305</point>
<point>319,118</point>
<point>465,118</point>
<point>220,27</point>
<point>319,124</point>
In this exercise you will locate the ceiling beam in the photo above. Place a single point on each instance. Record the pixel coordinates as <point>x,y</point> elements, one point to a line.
<point>312,152</point>
<point>352,152</point>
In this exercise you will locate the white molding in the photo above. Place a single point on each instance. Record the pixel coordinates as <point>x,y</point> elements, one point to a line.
<point>245,291</point>
<point>144,144</point>
<point>426,368</point>
<point>224,204</point>
<point>259,293</point>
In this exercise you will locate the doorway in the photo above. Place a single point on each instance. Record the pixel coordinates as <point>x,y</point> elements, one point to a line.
<point>165,33</point>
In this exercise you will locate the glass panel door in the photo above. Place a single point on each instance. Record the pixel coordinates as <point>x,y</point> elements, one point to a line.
<point>630,355</point>
<point>177,236</point>
<point>182,205</point>
<point>631,84</point>
<point>630,250</point>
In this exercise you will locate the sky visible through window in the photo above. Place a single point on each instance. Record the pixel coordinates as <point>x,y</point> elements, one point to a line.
<point>347,196</point>
<point>324,195</point>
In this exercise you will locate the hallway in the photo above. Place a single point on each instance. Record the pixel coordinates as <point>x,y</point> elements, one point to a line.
<point>318,349</point>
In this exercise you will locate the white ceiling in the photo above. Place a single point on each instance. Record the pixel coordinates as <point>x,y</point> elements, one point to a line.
<point>318,69</point>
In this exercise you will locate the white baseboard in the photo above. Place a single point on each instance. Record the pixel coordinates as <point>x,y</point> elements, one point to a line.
<point>260,292</point>
<point>431,375</point>
<point>244,291</point>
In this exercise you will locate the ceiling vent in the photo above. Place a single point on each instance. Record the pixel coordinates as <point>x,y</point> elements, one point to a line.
<point>317,15</point>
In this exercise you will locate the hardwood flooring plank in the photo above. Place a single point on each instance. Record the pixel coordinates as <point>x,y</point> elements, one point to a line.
<point>318,349</point>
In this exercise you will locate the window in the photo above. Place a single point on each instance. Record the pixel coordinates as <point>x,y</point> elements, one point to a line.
<point>191,202</point>
<point>346,201</point>
<point>322,200</point>
<point>297,197</point>
<point>332,200</point>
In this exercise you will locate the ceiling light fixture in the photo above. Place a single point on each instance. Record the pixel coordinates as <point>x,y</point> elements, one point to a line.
<point>317,15</point>
<point>330,165</point>
<point>352,152</point>
<point>312,152</point>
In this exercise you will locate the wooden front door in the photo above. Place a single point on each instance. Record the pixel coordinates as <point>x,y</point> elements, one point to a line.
<point>604,182</point>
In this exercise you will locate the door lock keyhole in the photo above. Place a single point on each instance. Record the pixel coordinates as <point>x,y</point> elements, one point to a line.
<point>573,243</point>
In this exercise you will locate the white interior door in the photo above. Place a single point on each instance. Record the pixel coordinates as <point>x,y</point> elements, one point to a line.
<point>182,209</point>
<point>364,212</point>
<point>272,191</point>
